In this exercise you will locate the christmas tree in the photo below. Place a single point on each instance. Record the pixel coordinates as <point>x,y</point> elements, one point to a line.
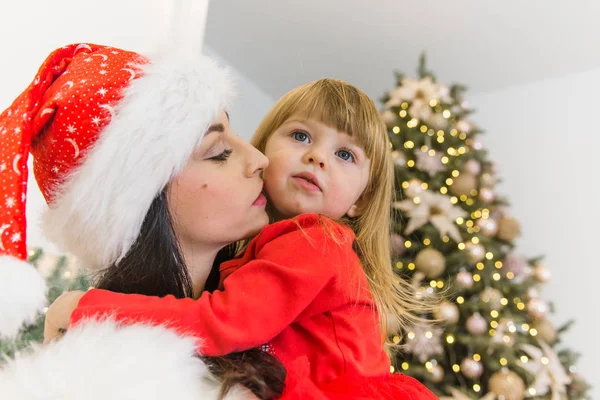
<point>454,237</point>
<point>62,273</point>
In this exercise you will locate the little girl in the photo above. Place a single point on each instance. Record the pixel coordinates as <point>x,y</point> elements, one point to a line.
<point>315,287</point>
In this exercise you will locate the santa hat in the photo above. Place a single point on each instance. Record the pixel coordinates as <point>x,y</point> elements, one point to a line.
<point>107,129</point>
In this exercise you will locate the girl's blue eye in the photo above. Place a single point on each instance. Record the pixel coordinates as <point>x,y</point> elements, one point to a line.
<point>300,136</point>
<point>345,155</point>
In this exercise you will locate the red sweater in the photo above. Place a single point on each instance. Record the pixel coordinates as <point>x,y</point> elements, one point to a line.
<point>299,291</point>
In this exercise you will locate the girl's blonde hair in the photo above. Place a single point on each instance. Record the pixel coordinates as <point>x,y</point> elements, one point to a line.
<point>347,109</point>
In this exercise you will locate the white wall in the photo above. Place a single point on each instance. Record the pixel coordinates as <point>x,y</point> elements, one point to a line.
<point>545,138</point>
<point>31,29</point>
<point>251,104</point>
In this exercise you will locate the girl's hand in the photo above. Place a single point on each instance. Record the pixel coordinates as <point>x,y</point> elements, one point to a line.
<point>59,313</point>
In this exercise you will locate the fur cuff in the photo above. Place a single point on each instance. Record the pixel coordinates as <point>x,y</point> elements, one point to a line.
<point>102,360</point>
<point>22,294</point>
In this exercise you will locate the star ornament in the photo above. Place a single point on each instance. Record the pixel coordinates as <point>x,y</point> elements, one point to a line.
<point>430,161</point>
<point>458,395</point>
<point>550,376</point>
<point>424,342</point>
<point>434,208</point>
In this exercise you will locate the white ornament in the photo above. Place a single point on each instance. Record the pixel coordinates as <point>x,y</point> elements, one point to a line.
<point>414,188</point>
<point>430,162</point>
<point>435,208</point>
<point>544,364</point>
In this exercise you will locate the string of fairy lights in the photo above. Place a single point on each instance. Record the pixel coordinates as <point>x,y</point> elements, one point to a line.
<point>475,225</point>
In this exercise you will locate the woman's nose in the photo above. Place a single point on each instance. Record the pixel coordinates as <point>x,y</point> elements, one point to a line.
<point>257,161</point>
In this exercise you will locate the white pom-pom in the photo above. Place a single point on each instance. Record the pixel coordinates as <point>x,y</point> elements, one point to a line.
<point>102,360</point>
<point>22,294</point>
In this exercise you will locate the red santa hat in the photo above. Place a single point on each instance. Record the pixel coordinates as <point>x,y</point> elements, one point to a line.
<point>107,129</point>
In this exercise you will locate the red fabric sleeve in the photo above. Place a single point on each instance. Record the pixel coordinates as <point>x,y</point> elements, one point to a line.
<point>259,300</point>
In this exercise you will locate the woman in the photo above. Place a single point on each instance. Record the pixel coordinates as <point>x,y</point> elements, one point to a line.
<point>145,182</point>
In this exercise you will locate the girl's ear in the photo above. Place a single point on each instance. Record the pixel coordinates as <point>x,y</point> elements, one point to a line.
<point>356,209</point>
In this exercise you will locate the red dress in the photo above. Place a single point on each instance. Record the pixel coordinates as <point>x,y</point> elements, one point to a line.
<point>299,292</point>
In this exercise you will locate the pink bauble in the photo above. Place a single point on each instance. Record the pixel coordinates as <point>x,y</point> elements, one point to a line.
<point>464,279</point>
<point>471,369</point>
<point>476,324</point>
<point>477,145</point>
<point>515,264</point>
<point>475,252</point>
<point>488,227</point>
<point>397,245</point>
<point>437,374</point>
<point>487,195</point>
<point>464,126</point>
<point>473,167</point>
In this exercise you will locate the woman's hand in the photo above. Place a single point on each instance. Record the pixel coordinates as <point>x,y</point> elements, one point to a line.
<point>59,313</point>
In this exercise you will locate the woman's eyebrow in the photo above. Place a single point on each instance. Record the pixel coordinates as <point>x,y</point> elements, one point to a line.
<point>215,128</point>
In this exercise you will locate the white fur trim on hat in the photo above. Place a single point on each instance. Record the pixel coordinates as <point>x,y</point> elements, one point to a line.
<point>101,360</point>
<point>98,212</point>
<point>22,294</point>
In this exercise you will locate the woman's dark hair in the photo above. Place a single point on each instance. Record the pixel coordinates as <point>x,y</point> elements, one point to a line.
<point>155,266</point>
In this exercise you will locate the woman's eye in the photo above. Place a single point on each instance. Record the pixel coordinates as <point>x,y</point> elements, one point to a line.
<point>223,156</point>
<point>300,136</point>
<point>345,155</point>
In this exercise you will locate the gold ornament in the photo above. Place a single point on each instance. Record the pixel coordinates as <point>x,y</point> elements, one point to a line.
<point>431,262</point>
<point>493,297</point>
<point>388,117</point>
<point>463,184</point>
<point>447,312</point>
<point>487,180</point>
<point>475,252</point>
<point>509,229</point>
<point>546,330</point>
<point>507,384</point>
<point>537,308</point>
<point>542,274</point>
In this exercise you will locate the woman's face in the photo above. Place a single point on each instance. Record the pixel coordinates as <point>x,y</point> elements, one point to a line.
<point>217,198</point>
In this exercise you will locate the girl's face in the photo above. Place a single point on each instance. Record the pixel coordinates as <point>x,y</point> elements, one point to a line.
<point>217,198</point>
<point>314,168</point>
